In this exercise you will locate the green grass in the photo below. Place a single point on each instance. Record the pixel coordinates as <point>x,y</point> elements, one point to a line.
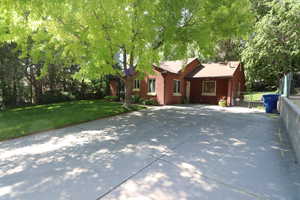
<point>24,121</point>
<point>256,96</point>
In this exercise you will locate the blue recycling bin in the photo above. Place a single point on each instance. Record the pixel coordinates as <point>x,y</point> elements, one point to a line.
<point>270,102</point>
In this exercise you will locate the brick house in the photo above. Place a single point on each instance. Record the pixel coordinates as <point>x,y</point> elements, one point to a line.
<point>175,81</point>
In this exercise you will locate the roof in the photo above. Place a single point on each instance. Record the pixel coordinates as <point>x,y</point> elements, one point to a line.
<point>175,66</point>
<point>212,70</point>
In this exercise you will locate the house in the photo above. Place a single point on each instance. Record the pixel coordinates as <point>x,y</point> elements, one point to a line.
<point>174,82</point>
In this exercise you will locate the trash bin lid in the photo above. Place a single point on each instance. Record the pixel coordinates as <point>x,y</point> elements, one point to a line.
<point>271,96</point>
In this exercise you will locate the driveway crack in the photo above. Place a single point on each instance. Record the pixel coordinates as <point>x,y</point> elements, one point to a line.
<point>163,154</point>
<point>130,177</point>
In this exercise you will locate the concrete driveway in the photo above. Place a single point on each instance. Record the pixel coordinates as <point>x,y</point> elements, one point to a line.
<point>163,153</point>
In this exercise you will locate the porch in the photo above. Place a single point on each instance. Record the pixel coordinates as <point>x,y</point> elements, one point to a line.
<point>210,90</point>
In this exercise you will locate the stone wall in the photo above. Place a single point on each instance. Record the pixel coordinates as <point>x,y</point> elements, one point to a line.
<point>290,115</point>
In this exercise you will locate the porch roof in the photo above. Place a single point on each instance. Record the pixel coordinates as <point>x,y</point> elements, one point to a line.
<point>215,70</point>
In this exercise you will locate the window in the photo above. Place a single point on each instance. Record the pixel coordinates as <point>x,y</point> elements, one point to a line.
<point>176,88</point>
<point>151,86</point>
<point>137,84</point>
<point>209,88</point>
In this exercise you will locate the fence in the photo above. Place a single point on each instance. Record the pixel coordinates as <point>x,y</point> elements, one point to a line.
<point>250,100</point>
<point>290,85</point>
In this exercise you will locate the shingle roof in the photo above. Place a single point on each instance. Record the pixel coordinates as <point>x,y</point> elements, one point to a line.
<point>215,70</point>
<point>175,66</point>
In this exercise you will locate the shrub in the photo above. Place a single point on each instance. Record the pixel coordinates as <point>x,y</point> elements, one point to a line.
<point>151,102</point>
<point>55,97</point>
<point>136,99</point>
<point>223,102</point>
<point>185,101</point>
<point>111,98</point>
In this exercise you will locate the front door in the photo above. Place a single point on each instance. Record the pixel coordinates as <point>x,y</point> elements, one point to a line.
<point>188,90</point>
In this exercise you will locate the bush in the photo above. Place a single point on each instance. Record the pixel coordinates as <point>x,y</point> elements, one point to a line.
<point>223,102</point>
<point>111,98</point>
<point>261,86</point>
<point>185,101</point>
<point>151,102</point>
<point>136,99</point>
<point>56,97</point>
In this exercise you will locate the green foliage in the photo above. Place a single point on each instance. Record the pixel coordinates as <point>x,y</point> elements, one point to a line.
<point>274,48</point>
<point>19,121</point>
<point>136,99</point>
<point>56,97</point>
<point>260,7</point>
<point>108,37</point>
<point>222,103</point>
<point>228,50</point>
<point>257,96</point>
<point>11,75</point>
<point>185,101</point>
<point>152,102</point>
<point>91,33</point>
<point>111,98</point>
<point>24,82</point>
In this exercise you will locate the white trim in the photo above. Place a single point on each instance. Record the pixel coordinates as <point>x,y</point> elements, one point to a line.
<point>209,94</point>
<point>177,94</point>
<point>179,89</point>
<point>136,90</point>
<point>151,94</point>
<point>148,85</point>
<point>134,85</point>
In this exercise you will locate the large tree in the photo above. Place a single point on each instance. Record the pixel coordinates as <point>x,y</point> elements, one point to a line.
<point>274,48</point>
<point>124,37</point>
<point>11,74</point>
<point>260,7</point>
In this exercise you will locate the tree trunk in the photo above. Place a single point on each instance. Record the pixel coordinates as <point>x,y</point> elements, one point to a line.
<point>31,92</point>
<point>38,91</point>
<point>14,91</point>
<point>52,77</point>
<point>82,90</point>
<point>128,91</point>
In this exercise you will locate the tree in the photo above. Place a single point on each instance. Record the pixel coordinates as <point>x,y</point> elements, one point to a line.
<point>274,48</point>
<point>260,8</point>
<point>11,74</point>
<point>227,50</point>
<point>125,37</point>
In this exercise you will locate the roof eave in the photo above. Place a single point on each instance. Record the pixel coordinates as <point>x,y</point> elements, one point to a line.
<point>229,76</point>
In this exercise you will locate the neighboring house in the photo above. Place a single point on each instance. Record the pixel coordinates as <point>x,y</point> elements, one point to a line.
<point>174,82</point>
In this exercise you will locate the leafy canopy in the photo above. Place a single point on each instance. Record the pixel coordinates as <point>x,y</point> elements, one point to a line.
<point>93,33</point>
<point>274,48</point>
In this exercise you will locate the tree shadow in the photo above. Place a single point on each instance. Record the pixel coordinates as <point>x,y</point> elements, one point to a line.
<point>88,159</point>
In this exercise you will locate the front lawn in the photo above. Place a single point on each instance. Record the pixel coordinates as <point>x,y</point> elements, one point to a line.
<point>23,121</point>
<point>256,96</point>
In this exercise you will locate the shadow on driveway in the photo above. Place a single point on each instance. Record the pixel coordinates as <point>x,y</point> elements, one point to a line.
<point>171,152</point>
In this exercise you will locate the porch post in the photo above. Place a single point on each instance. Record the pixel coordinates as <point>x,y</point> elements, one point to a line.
<point>229,93</point>
<point>188,90</point>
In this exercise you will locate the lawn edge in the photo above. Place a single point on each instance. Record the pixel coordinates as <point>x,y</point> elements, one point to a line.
<point>74,124</point>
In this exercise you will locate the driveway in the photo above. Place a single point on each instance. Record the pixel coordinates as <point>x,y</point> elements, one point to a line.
<point>163,153</point>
